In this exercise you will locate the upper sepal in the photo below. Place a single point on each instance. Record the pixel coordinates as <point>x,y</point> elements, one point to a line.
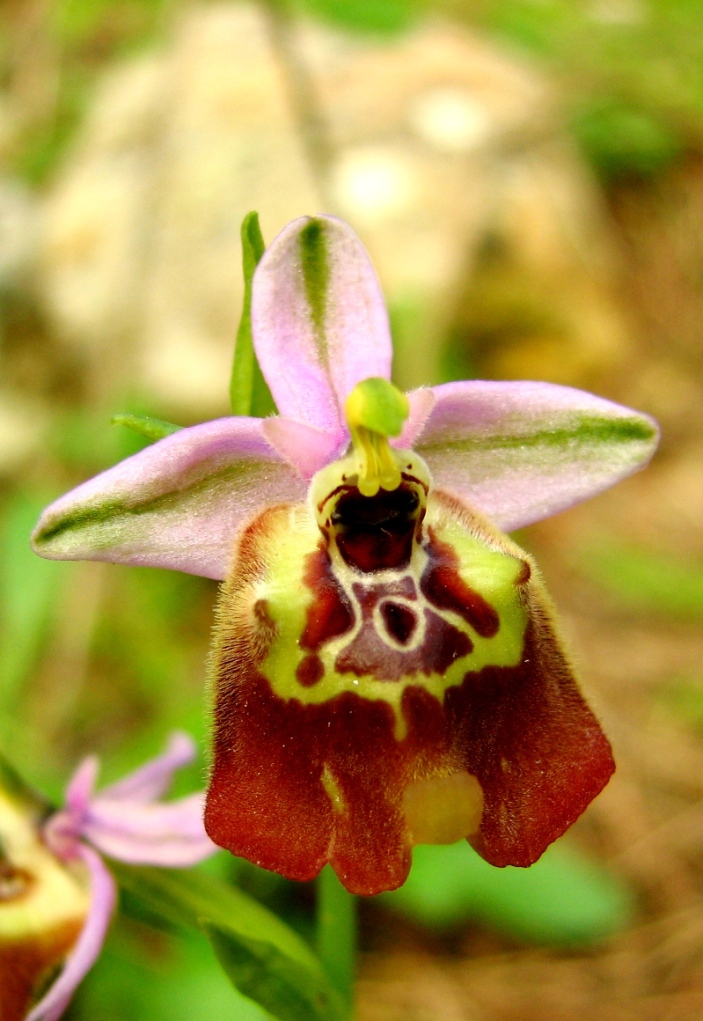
<point>319,320</point>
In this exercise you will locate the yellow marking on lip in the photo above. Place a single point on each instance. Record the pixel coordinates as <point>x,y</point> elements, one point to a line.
<point>333,790</point>
<point>491,565</point>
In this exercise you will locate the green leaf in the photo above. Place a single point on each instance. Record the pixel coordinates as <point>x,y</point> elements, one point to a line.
<point>151,428</point>
<point>260,971</point>
<point>263,958</point>
<point>137,978</point>
<point>563,899</point>
<point>29,589</point>
<point>249,394</point>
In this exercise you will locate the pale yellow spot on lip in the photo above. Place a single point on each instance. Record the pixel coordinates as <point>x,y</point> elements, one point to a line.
<point>443,809</point>
<point>333,790</point>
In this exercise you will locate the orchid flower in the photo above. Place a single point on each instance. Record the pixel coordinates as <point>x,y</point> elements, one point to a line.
<point>64,894</point>
<point>386,667</point>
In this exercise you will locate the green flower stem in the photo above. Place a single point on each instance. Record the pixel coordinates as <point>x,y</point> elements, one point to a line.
<point>336,933</point>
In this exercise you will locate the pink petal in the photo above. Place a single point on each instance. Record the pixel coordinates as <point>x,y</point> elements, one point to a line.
<point>421,403</point>
<point>522,451</point>
<point>176,504</point>
<point>319,321</point>
<point>89,943</point>
<point>153,779</point>
<point>81,786</point>
<point>171,834</point>
<point>306,448</point>
<point>62,830</point>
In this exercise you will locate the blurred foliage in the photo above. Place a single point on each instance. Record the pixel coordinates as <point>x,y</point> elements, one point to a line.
<point>143,975</point>
<point>63,49</point>
<point>374,16</point>
<point>621,139</point>
<point>29,587</point>
<point>631,70</point>
<point>264,958</point>
<point>644,581</point>
<point>562,900</point>
<point>682,698</point>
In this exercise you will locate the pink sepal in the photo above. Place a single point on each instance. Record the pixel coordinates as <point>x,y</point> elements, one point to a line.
<point>178,504</point>
<point>319,320</point>
<point>521,451</point>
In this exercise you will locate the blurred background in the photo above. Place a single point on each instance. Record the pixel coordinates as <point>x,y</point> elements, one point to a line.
<point>528,178</point>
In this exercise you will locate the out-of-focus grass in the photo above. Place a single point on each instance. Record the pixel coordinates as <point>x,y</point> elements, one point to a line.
<point>29,588</point>
<point>76,38</point>
<point>644,581</point>
<point>374,16</point>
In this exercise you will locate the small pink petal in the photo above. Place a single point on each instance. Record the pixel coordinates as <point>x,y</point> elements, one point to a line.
<point>319,321</point>
<point>81,786</point>
<point>306,448</point>
<point>89,943</point>
<point>153,780</point>
<point>421,403</point>
<point>520,452</point>
<point>177,504</point>
<point>170,834</point>
<point>62,830</point>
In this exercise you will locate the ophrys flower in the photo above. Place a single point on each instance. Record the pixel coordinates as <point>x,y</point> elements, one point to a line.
<point>386,666</point>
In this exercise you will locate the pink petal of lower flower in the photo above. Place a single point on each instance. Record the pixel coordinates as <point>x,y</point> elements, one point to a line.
<point>153,780</point>
<point>176,504</point>
<point>89,943</point>
<point>306,448</point>
<point>81,786</point>
<point>319,320</point>
<point>522,451</point>
<point>170,834</point>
